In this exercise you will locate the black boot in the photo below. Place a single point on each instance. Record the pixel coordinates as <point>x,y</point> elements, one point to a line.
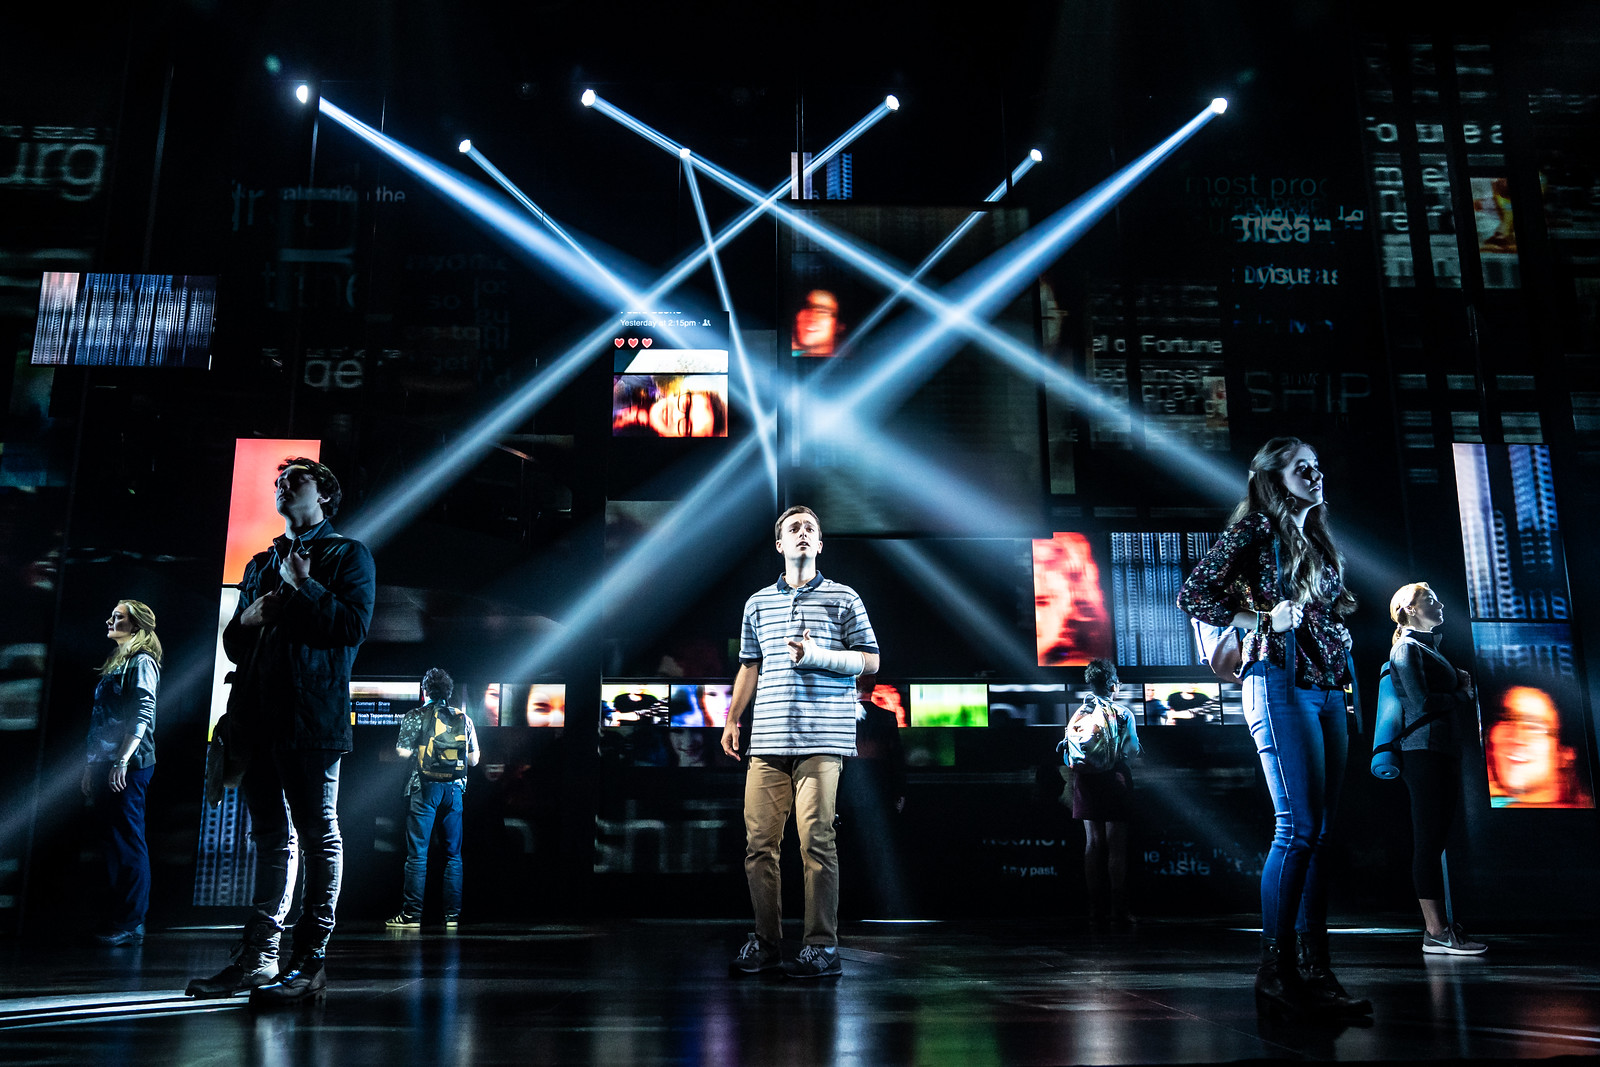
<point>1279,990</point>
<point>1322,987</point>
<point>253,962</point>
<point>305,980</point>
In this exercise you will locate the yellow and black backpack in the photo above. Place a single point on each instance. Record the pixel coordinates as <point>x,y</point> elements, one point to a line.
<point>442,750</point>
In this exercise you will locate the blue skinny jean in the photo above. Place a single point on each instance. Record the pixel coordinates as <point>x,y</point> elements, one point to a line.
<point>1303,740</point>
<point>434,802</point>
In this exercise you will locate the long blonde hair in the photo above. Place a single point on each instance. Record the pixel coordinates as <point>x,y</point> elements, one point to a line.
<point>1403,598</point>
<point>1267,494</point>
<point>144,638</point>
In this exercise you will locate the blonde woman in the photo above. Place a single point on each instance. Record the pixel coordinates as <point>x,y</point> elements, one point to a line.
<point>121,761</point>
<point>1436,710</point>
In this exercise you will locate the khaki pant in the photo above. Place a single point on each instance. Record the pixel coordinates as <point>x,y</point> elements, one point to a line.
<point>772,786</point>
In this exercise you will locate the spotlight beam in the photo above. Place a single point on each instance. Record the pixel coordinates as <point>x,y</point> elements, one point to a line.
<point>762,423</point>
<point>617,284</point>
<point>379,521</point>
<point>889,302</point>
<point>475,201</point>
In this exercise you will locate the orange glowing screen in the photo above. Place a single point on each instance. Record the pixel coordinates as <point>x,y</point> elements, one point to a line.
<point>1070,617</point>
<point>253,519</point>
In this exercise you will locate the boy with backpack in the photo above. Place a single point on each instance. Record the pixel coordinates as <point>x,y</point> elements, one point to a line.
<point>444,743</point>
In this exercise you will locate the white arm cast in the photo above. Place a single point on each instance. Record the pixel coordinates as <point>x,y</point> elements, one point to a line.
<point>842,662</point>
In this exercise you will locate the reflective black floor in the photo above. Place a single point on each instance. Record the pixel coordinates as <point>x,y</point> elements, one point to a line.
<point>648,992</point>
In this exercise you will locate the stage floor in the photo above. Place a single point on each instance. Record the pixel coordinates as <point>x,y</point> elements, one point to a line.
<point>967,993</point>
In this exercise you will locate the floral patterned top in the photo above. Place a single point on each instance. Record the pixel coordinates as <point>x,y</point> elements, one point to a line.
<point>1239,574</point>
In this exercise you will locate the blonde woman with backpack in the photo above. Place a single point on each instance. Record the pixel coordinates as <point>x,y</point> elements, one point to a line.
<point>1101,738</point>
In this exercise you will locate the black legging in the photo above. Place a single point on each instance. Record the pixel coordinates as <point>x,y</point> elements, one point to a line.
<point>1434,781</point>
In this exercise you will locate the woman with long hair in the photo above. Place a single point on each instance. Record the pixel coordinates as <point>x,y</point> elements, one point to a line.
<point>122,758</point>
<point>1436,708</point>
<point>1277,577</point>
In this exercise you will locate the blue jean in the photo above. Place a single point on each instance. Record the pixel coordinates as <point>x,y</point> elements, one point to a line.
<point>293,799</point>
<point>1303,740</point>
<point>121,817</point>
<point>441,802</point>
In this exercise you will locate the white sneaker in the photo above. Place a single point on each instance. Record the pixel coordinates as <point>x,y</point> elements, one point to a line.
<point>1453,942</point>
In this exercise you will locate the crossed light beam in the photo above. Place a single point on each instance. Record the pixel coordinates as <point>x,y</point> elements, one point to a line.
<point>376,523</point>
<point>981,291</point>
<point>725,487</point>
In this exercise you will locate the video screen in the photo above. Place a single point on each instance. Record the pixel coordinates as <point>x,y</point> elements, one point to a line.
<point>669,405</point>
<point>949,704</point>
<point>125,320</point>
<point>1183,703</point>
<point>893,699</point>
<point>1147,571</point>
<point>1531,704</point>
<point>631,703</point>
<point>1027,705</point>
<point>701,705</point>
<point>1530,680</point>
<point>1071,624</point>
<point>382,703</point>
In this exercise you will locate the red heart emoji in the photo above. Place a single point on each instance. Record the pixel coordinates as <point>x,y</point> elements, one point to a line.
<point>617,341</point>
<point>633,342</point>
<point>646,342</point>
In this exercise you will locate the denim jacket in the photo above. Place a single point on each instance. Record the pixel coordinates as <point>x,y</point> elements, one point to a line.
<point>292,686</point>
<point>124,705</point>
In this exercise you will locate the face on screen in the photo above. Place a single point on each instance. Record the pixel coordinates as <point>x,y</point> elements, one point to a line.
<point>1525,746</point>
<point>1069,611</point>
<point>816,324</point>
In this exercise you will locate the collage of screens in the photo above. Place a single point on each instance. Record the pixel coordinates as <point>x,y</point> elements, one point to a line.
<point>384,702</point>
<point>937,704</point>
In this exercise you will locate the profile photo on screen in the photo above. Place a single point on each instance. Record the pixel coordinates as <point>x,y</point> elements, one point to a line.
<point>669,405</point>
<point>701,705</point>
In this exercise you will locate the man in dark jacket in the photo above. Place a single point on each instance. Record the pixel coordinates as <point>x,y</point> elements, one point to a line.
<point>304,608</point>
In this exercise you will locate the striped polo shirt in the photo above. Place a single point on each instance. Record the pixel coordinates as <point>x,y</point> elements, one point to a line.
<point>803,711</point>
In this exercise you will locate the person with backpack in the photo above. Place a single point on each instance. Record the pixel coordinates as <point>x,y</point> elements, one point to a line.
<point>1437,704</point>
<point>1275,578</point>
<point>1101,738</point>
<point>442,744</point>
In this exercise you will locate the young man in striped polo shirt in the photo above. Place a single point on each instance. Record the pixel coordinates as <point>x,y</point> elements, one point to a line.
<point>805,640</point>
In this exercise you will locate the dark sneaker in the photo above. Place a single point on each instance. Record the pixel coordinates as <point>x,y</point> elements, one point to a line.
<point>756,955</point>
<point>1453,942</point>
<point>250,968</point>
<point>405,922</point>
<point>305,980</point>
<point>122,937</point>
<point>815,961</point>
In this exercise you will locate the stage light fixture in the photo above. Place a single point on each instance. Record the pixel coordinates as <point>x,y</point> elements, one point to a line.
<point>1218,106</point>
<point>464,147</point>
<point>587,98</point>
<point>684,153</point>
<point>302,93</point>
<point>892,102</point>
<point>1036,155</point>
